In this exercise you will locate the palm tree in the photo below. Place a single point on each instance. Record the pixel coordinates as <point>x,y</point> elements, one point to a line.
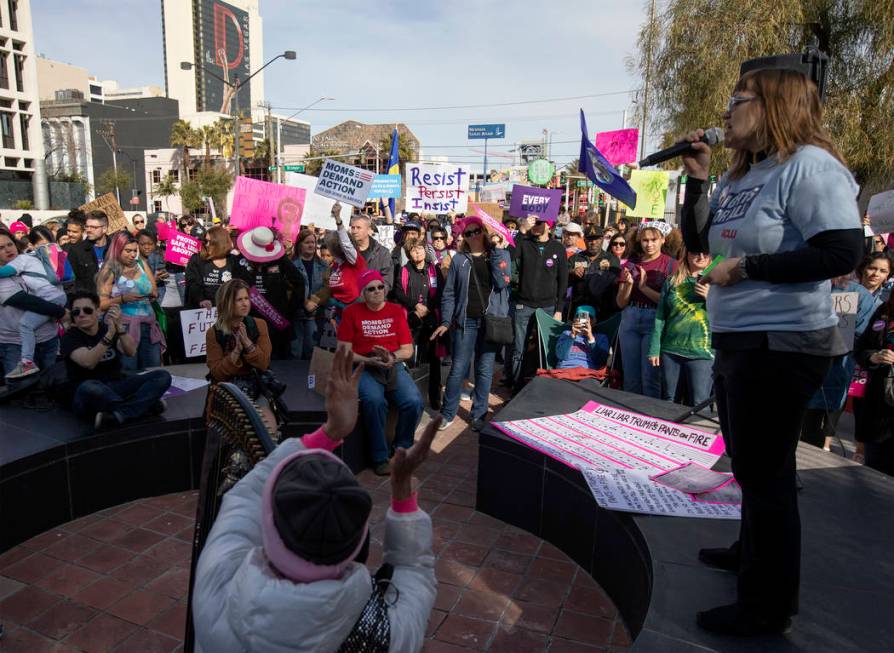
<point>184,136</point>
<point>214,137</point>
<point>406,150</point>
<point>165,188</point>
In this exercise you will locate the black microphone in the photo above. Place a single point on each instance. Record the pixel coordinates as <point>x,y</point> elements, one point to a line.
<point>712,136</point>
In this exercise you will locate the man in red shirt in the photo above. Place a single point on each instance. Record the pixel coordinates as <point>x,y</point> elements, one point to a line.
<point>377,333</point>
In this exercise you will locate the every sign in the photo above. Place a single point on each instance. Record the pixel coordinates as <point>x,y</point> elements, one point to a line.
<point>344,183</point>
<point>541,202</point>
<point>437,188</point>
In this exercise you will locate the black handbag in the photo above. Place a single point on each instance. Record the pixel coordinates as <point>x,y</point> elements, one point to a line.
<point>497,328</point>
<point>372,631</point>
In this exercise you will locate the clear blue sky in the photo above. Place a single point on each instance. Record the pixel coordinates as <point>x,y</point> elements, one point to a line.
<point>397,54</point>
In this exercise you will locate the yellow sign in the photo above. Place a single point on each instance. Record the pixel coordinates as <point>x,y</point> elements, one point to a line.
<point>651,193</point>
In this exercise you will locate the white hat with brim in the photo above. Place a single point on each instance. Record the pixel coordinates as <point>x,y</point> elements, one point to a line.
<point>259,245</point>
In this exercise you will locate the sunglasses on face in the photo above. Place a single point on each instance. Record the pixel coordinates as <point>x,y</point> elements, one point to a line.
<point>471,232</point>
<point>139,222</point>
<point>439,238</point>
<point>86,310</point>
<point>619,243</point>
<point>378,288</point>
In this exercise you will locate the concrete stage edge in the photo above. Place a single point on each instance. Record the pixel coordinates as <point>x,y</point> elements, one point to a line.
<point>648,564</point>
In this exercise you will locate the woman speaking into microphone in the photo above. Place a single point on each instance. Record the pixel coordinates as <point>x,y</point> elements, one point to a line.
<point>785,219</point>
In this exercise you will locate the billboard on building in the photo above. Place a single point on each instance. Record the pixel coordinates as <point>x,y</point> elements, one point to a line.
<point>224,34</point>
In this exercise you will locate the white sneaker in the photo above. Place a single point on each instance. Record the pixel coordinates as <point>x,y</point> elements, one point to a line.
<point>445,425</point>
<point>23,369</point>
<point>465,395</point>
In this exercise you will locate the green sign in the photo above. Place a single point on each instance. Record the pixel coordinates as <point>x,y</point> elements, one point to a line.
<point>584,184</point>
<point>540,171</point>
<point>292,168</point>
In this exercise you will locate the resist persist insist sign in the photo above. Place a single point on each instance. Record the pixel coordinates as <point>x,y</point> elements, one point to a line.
<point>437,188</point>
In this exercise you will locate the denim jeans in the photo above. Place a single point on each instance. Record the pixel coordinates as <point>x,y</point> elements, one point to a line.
<point>44,354</point>
<point>148,353</point>
<point>635,333</point>
<point>305,339</point>
<point>130,397</point>
<point>508,356</point>
<point>520,323</point>
<point>374,403</point>
<point>699,375</point>
<point>467,342</point>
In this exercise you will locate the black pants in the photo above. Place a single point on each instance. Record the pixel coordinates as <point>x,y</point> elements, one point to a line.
<point>761,400</point>
<point>818,425</point>
<point>880,456</point>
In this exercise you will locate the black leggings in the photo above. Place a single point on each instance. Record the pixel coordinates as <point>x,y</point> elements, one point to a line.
<point>761,400</point>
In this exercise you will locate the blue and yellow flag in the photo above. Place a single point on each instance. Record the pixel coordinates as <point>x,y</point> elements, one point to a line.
<point>393,164</point>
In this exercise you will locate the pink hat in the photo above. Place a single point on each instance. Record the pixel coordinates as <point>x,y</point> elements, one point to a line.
<point>287,562</point>
<point>473,219</point>
<point>259,245</point>
<point>368,277</point>
<point>18,227</point>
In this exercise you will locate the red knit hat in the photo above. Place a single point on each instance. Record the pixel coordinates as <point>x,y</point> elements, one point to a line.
<point>368,277</point>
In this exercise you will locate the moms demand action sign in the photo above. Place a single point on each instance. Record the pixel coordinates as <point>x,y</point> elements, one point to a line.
<point>344,183</point>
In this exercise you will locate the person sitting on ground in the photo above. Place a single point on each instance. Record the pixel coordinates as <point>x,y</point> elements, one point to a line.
<point>40,275</point>
<point>377,333</point>
<point>283,567</point>
<point>96,387</point>
<point>238,345</point>
<point>578,347</point>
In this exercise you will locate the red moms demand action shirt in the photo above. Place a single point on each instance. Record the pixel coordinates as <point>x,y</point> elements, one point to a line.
<point>364,328</point>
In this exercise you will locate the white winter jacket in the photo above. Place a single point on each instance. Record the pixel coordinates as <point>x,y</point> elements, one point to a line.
<point>241,604</point>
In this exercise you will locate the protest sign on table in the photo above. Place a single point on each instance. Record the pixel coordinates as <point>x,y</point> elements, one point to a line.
<point>181,247</point>
<point>262,204</point>
<point>881,212</point>
<point>108,205</point>
<point>317,209</point>
<point>542,202</point>
<point>493,225</point>
<point>618,146</point>
<point>437,188</point>
<point>651,193</point>
<point>845,305</point>
<point>385,186</point>
<point>344,183</point>
<point>194,323</point>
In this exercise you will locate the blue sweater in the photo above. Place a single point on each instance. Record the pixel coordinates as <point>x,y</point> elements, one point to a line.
<point>577,352</point>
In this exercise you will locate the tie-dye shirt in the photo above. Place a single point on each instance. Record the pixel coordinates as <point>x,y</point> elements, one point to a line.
<point>681,323</point>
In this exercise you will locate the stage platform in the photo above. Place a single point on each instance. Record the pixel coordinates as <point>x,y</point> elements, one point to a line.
<point>648,564</point>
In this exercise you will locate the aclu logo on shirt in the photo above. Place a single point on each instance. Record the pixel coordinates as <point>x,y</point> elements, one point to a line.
<point>734,206</point>
<point>377,328</point>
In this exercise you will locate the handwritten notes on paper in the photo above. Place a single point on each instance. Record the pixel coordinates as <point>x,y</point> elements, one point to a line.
<point>619,452</point>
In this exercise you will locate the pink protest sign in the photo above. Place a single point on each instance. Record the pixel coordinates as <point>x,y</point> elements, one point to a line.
<point>266,309</point>
<point>492,224</point>
<point>262,204</point>
<point>181,247</point>
<point>618,146</point>
<point>163,230</point>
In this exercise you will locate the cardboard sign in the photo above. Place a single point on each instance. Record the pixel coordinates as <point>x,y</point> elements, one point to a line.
<point>437,188</point>
<point>317,209</point>
<point>194,323</point>
<point>108,205</point>
<point>494,226</point>
<point>181,247</point>
<point>845,305</point>
<point>385,186</point>
<point>344,183</point>
<point>618,146</point>
<point>881,212</point>
<point>541,202</point>
<point>651,193</point>
<point>262,204</point>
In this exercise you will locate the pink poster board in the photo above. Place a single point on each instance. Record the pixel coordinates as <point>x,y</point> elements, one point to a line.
<point>181,247</point>
<point>618,146</point>
<point>262,204</point>
<point>492,224</point>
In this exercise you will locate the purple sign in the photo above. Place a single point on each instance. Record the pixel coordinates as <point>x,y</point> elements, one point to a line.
<point>541,202</point>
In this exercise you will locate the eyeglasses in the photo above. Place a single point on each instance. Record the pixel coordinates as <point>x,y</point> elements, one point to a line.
<point>86,310</point>
<point>619,243</point>
<point>139,222</point>
<point>378,288</point>
<point>472,232</point>
<point>438,238</point>
<point>737,100</point>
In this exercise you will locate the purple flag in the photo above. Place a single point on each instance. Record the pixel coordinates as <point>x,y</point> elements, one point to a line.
<point>542,202</point>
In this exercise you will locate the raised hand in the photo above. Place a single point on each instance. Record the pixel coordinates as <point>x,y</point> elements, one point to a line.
<point>341,395</point>
<point>406,461</point>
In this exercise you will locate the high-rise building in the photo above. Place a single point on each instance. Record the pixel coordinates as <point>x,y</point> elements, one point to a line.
<point>21,146</point>
<point>224,43</point>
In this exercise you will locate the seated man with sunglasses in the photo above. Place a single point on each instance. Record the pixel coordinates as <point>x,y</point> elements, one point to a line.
<point>92,351</point>
<point>378,334</point>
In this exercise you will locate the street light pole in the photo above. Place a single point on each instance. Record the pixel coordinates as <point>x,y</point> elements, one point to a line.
<point>278,161</point>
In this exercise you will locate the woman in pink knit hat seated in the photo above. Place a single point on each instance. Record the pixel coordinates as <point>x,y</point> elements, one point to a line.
<point>283,570</point>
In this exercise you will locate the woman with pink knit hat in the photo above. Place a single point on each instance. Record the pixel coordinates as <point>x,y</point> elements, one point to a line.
<point>283,568</point>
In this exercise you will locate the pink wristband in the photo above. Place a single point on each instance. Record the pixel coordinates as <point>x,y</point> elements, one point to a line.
<point>405,505</point>
<point>319,440</point>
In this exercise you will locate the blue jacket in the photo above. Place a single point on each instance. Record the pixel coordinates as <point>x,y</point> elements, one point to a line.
<point>311,286</point>
<point>456,289</point>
